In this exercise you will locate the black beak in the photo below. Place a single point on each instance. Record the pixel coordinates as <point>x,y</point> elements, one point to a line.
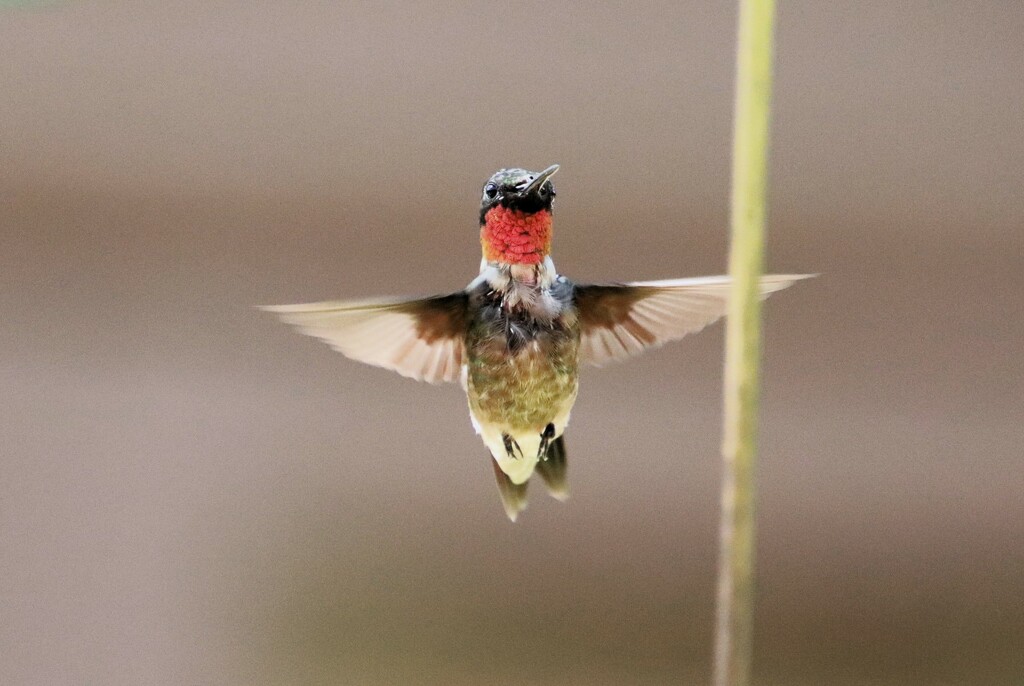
<point>541,178</point>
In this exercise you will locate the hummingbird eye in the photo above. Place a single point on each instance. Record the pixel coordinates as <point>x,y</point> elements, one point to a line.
<point>490,190</point>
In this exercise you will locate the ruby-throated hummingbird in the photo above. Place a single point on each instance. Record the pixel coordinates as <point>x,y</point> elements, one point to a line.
<point>517,335</point>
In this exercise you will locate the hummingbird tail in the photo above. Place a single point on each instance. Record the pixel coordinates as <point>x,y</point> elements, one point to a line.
<point>513,495</point>
<point>554,470</point>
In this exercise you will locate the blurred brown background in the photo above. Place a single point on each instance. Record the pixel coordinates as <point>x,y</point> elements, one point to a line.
<point>191,493</point>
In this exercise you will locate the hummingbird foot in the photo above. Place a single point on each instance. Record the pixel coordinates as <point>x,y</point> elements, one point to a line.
<point>511,446</point>
<point>545,441</point>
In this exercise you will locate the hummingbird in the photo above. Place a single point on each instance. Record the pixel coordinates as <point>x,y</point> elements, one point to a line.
<point>517,335</point>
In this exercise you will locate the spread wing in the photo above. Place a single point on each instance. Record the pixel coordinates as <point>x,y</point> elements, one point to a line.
<point>622,320</point>
<point>419,338</point>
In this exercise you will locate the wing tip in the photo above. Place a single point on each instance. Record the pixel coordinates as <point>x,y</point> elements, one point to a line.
<point>298,308</point>
<point>792,278</point>
<point>302,308</point>
<point>770,283</point>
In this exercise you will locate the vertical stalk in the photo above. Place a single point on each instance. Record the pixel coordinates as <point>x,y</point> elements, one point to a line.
<point>734,625</point>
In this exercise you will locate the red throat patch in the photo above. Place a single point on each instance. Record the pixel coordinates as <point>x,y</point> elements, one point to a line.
<point>514,237</point>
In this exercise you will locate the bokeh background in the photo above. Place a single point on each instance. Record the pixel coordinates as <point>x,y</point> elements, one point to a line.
<point>191,493</point>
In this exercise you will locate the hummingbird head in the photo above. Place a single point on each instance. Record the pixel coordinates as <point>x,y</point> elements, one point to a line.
<point>515,216</point>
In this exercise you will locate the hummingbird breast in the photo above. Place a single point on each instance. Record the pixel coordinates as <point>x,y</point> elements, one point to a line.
<point>522,369</point>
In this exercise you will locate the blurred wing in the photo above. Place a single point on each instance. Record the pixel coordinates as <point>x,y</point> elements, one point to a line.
<point>422,339</point>
<point>622,320</point>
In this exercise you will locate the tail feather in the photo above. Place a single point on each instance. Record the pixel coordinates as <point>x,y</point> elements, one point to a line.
<point>513,496</point>
<point>554,470</point>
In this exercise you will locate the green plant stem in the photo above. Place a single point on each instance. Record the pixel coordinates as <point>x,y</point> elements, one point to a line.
<point>734,630</point>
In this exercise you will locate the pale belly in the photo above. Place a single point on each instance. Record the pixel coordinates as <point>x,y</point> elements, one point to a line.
<point>518,395</point>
